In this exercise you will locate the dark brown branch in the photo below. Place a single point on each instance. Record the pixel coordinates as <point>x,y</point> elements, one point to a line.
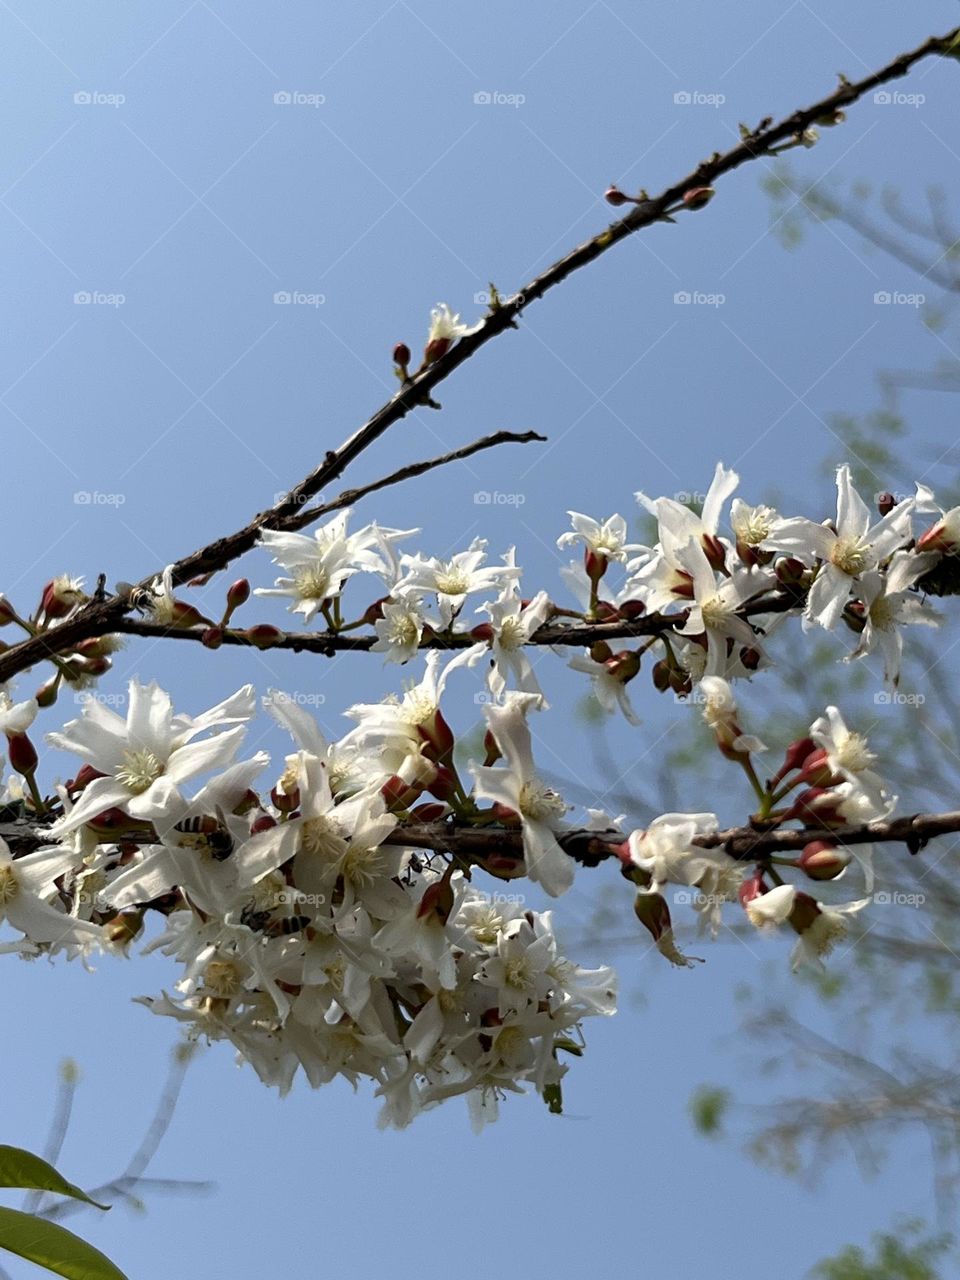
<point>299,519</point>
<point>590,848</point>
<point>576,635</point>
<point>101,618</point>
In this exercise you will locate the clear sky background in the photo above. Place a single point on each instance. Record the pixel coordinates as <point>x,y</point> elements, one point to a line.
<point>183,186</point>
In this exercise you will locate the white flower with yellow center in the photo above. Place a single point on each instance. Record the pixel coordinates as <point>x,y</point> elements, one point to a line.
<point>845,551</point>
<point>145,758</point>
<point>27,890</point>
<point>519,787</point>
<point>890,604</point>
<point>452,580</point>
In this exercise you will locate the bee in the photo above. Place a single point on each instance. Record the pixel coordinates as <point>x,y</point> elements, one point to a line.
<point>139,598</point>
<point>260,922</point>
<point>205,832</point>
<point>284,926</point>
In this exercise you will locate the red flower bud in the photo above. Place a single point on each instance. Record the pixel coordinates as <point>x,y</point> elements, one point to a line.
<point>265,822</point>
<point>823,860</point>
<point>401,355</point>
<point>7,612</point>
<point>22,754</point>
<point>262,636</point>
<point>697,197</point>
<point>885,503</point>
<point>613,195</point>
<point>212,638</point>
<point>46,695</point>
<point>238,594</point>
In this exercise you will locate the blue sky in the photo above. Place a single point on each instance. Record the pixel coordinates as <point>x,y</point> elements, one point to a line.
<point>148,163</point>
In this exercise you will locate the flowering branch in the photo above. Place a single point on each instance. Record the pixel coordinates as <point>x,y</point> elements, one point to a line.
<point>101,616</point>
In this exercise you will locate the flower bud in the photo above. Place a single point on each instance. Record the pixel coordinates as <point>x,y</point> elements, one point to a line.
<point>595,564</point>
<point>503,866</point>
<point>401,355</point>
<point>285,801</point>
<point>444,785</point>
<point>817,807</point>
<point>697,197</point>
<point>22,754</point>
<point>437,735</point>
<point>631,609</point>
<point>428,812</point>
<point>789,571</point>
<point>7,612</point>
<point>944,535</point>
<point>885,503</point>
<point>374,612</point>
<point>85,775</point>
<point>46,695</point>
<point>483,631</point>
<point>715,552</point>
<point>262,636</point>
<point>600,651</point>
<point>437,902</point>
<point>61,595</point>
<point>238,594</point>
<point>661,673</point>
<point>435,349</point>
<point>816,772</point>
<point>623,666</point>
<point>212,638</point>
<point>823,860</point>
<point>751,888</point>
<point>613,195</point>
<point>265,822</point>
<point>492,752</point>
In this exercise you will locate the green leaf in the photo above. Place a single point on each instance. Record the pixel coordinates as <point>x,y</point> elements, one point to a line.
<point>19,1168</point>
<point>53,1247</point>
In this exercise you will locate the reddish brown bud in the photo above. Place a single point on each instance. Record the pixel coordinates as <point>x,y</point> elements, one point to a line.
<point>265,822</point>
<point>600,651</point>
<point>263,636</point>
<point>613,195</point>
<point>437,735</point>
<point>595,564</point>
<point>444,785</point>
<point>697,197</point>
<point>22,754</point>
<point>85,775</point>
<point>660,674</point>
<point>885,503</point>
<point>7,612</point>
<point>238,594</point>
<point>789,571</point>
<point>285,801</point>
<point>752,887</point>
<point>436,348</point>
<point>428,812</point>
<point>492,752</point>
<point>212,638</point>
<point>631,609</point>
<point>483,631</point>
<point>715,551</point>
<point>401,355</point>
<point>437,902</point>
<point>46,695</point>
<point>823,860</point>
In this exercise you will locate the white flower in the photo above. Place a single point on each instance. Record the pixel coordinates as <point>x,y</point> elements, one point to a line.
<point>608,539</point>
<point>16,717</point>
<point>890,604</point>
<point>512,623</point>
<point>399,630</point>
<point>321,564</point>
<point>855,547</point>
<point>773,908</point>
<point>519,787</point>
<point>609,689</point>
<point>678,524</point>
<point>454,579</point>
<point>849,755</point>
<point>715,604</point>
<point>26,885</point>
<point>751,525</point>
<point>144,759</point>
